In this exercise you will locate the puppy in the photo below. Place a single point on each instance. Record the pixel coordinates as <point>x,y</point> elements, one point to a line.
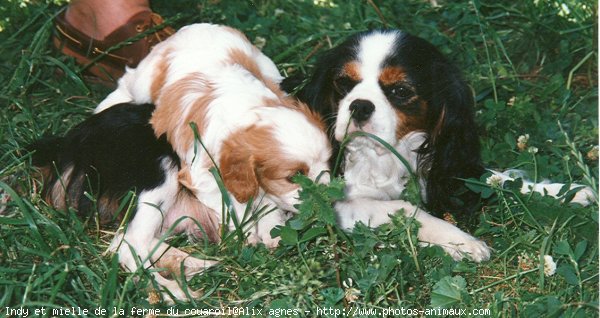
<point>401,89</point>
<point>213,76</point>
<point>218,105</point>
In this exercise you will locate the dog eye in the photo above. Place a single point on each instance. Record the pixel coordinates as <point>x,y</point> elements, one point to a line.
<point>343,85</point>
<point>298,172</point>
<point>400,91</point>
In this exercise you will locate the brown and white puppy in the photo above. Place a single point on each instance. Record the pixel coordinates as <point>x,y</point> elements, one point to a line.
<point>218,104</point>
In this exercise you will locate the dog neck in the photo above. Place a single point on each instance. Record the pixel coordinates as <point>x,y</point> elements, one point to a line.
<point>376,174</point>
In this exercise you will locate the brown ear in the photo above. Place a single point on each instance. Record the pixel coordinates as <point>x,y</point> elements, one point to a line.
<point>238,171</point>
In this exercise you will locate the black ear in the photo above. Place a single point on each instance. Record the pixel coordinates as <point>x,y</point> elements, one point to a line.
<point>293,83</point>
<point>452,149</point>
<point>319,93</point>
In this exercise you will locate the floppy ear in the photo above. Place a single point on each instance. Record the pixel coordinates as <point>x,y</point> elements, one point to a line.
<point>452,149</point>
<point>238,170</point>
<point>319,93</point>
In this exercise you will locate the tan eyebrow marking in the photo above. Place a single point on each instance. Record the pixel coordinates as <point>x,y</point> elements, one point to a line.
<point>392,74</point>
<point>350,70</point>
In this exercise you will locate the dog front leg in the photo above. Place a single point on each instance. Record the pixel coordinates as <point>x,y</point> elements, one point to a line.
<point>432,231</point>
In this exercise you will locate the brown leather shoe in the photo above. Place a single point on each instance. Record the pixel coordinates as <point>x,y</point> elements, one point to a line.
<point>106,59</point>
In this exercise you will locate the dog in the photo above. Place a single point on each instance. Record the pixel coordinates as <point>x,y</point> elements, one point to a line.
<point>207,73</point>
<point>400,88</point>
<point>217,104</point>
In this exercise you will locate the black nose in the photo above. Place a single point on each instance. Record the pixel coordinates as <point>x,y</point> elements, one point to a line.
<point>361,109</point>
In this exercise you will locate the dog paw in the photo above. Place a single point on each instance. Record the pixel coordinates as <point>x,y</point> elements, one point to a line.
<point>271,242</point>
<point>472,248</point>
<point>585,197</point>
<point>175,262</point>
<point>175,292</point>
<point>254,239</point>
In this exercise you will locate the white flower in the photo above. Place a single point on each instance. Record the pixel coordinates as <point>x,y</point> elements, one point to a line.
<point>511,101</point>
<point>522,142</point>
<point>532,150</point>
<point>260,42</point>
<point>549,265</point>
<point>329,254</point>
<point>278,11</point>
<point>348,283</point>
<point>494,181</point>
<point>350,293</point>
<point>523,139</point>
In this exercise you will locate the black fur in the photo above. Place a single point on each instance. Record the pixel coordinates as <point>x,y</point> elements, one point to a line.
<point>452,148</point>
<point>111,153</point>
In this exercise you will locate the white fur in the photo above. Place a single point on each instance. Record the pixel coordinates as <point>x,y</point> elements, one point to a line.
<point>237,103</point>
<point>374,183</point>
<point>585,196</point>
<point>379,176</point>
<point>138,246</point>
<point>199,48</point>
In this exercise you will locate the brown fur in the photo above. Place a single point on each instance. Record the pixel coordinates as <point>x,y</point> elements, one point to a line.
<point>409,123</point>
<point>250,159</point>
<point>201,221</point>
<point>438,126</point>
<point>160,77</point>
<point>275,174</point>
<point>108,208</point>
<point>312,116</point>
<point>351,70</point>
<point>56,190</point>
<point>391,75</point>
<point>170,116</point>
<point>66,191</point>
<point>237,166</point>
<point>184,177</point>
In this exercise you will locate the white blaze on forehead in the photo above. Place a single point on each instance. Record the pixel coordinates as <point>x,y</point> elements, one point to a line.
<point>373,50</point>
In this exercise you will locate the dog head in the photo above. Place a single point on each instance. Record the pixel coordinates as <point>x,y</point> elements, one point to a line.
<point>263,158</point>
<point>390,83</point>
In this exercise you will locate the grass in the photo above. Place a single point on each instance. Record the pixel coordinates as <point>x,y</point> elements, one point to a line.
<point>533,69</point>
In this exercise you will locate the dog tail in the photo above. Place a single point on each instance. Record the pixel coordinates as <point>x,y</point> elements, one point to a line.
<point>45,157</point>
<point>45,151</point>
